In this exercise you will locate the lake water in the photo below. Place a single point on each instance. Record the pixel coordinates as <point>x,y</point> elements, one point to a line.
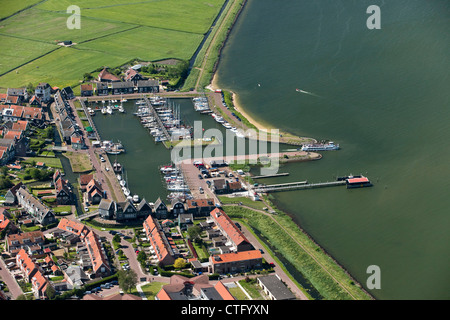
<point>383,95</point>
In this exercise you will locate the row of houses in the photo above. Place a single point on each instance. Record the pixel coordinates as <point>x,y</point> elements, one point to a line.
<point>32,257</point>
<point>34,273</point>
<point>118,88</point>
<point>108,83</point>
<point>13,140</point>
<point>98,260</point>
<point>15,113</point>
<point>121,211</point>
<point>240,257</point>
<point>196,288</point>
<point>70,130</point>
<point>42,93</point>
<point>38,211</point>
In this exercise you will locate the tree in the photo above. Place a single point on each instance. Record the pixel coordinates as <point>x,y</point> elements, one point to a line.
<point>116,238</point>
<point>30,88</point>
<point>50,292</point>
<point>194,232</point>
<point>127,280</point>
<point>142,257</point>
<point>179,263</point>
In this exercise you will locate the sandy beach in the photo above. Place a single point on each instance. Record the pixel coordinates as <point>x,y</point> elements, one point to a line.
<point>285,137</point>
<point>213,86</point>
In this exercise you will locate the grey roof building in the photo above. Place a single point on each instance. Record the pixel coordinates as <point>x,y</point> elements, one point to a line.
<point>275,288</point>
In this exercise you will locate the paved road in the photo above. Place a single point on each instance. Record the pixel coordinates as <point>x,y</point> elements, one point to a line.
<point>11,283</point>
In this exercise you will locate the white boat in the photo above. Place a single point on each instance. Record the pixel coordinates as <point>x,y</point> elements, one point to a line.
<point>122,183</point>
<point>109,110</point>
<point>103,110</point>
<point>121,109</point>
<point>320,146</point>
<point>136,198</point>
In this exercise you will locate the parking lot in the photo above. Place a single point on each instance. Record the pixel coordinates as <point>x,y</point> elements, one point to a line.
<point>200,178</point>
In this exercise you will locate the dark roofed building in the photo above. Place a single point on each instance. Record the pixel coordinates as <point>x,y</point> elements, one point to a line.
<point>87,90</point>
<point>220,186</point>
<point>275,288</point>
<point>122,87</point>
<point>160,209</point>
<point>102,89</point>
<point>107,209</point>
<point>144,86</point>
<point>200,207</point>
<point>125,211</point>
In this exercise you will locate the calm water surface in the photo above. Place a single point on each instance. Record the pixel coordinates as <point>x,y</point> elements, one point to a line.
<point>383,95</point>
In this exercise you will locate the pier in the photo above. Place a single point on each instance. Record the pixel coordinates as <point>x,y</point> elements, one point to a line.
<point>271,175</point>
<point>158,119</point>
<point>297,186</point>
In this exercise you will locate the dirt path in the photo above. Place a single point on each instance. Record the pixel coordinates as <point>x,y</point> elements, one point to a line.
<point>213,43</point>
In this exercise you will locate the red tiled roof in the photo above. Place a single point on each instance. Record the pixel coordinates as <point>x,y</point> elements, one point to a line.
<point>20,125</point>
<point>86,178</point>
<point>86,87</point>
<point>228,226</point>
<point>13,134</point>
<point>223,291</point>
<point>74,227</point>
<point>4,222</point>
<point>156,239</point>
<point>105,75</point>
<point>96,255</point>
<point>236,256</point>
<point>358,180</point>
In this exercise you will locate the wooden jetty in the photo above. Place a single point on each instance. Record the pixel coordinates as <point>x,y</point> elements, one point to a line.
<point>300,185</point>
<point>271,175</point>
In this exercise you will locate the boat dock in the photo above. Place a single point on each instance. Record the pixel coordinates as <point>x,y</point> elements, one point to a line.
<point>300,185</point>
<point>271,175</point>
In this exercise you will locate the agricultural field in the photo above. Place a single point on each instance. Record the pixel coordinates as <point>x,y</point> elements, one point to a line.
<point>112,33</point>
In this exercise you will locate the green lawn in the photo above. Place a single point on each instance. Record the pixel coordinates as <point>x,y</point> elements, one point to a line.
<point>15,51</point>
<point>10,7</point>
<point>112,33</point>
<point>63,67</point>
<point>50,162</point>
<point>182,15</point>
<point>51,27</point>
<point>147,44</point>
<point>245,201</point>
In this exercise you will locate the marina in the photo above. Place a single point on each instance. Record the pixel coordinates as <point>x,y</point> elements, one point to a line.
<point>162,120</point>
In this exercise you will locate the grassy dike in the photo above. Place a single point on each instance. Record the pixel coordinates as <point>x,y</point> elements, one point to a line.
<point>324,274</point>
<point>208,57</point>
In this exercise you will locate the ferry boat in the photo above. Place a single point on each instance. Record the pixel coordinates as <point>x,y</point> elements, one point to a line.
<point>360,182</point>
<point>320,146</point>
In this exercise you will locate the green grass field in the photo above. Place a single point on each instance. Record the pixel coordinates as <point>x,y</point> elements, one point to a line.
<point>112,33</point>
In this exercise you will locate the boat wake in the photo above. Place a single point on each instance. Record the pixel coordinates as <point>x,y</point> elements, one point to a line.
<point>306,92</point>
